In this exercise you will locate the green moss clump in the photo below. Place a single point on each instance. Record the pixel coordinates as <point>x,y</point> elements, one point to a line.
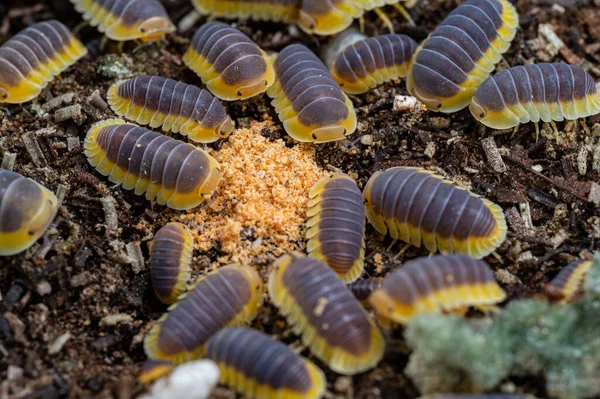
<point>529,337</point>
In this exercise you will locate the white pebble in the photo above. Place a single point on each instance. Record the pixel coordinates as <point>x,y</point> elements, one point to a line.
<point>405,103</point>
<point>194,380</point>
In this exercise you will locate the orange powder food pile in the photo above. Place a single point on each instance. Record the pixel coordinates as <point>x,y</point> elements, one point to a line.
<point>264,191</point>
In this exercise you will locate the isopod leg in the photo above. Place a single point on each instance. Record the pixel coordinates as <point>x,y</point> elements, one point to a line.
<point>404,12</point>
<point>384,18</point>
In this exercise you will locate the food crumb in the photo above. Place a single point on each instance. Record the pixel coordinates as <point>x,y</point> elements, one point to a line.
<point>264,191</point>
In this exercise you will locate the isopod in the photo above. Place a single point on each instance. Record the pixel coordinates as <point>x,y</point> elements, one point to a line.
<point>546,92</point>
<point>169,171</point>
<point>285,11</point>
<point>336,225</point>
<point>171,105</point>
<point>309,102</point>
<point>229,297</point>
<point>257,366</point>
<point>420,207</point>
<point>320,309</point>
<point>230,64</point>
<point>568,281</point>
<point>33,57</point>
<point>170,258</point>
<point>26,210</point>
<point>123,20</point>
<point>435,284</point>
<point>461,53</point>
<point>373,61</point>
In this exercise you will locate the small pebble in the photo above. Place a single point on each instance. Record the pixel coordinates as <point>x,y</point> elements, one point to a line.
<point>342,384</point>
<point>582,157</point>
<point>594,196</point>
<point>506,277</point>
<point>43,288</point>
<point>81,279</point>
<point>405,103</point>
<point>58,343</point>
<point>430,150</point>
<point>367,139</point>
<point>73,144</point>
<point>439,122</point>
<point>114,319</point>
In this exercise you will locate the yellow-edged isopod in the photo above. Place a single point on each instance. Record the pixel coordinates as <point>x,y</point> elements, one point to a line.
<point>26,210</point>
<point>122,20</point>
<point>172,172</point>
<point>171,105</point>
<point>330,320</point>
<point>421,208</point>
<point>228,297</point>
<point>229,63</point>
<point>170,258</point>
<point>441,283</point>
<point>33,57</point>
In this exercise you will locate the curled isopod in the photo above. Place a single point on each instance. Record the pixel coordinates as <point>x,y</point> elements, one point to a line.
<point>171,105</point>
<point>26,210</point>
<point>169,171</point>
<point>33,57</point>
<point>285,11</point>
<point>422,208</point>
<point>336,225</point>
<point>461,53</point>
<point>546,92</point>
<point>320,309</point>
<point>310,104</point>
<point>122,20</point>
<point>257,366</point>
<point>373,61</point>
<point>228,297</point>
<point>170,258</point>
<point>440,283</point>
<point>230,64</point>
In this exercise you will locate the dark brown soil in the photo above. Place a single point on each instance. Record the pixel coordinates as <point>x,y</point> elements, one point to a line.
<point>80,273</point>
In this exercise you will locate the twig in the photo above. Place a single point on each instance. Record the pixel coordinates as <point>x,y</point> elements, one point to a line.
<point>547,179</point>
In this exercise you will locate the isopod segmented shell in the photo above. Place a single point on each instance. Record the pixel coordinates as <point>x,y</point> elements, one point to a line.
<point>568,281</point>
<point>171,105</point>
<point>461,53</point>
<point>169,171</point>
<point>170,258</point>
<point>310,104</point>
<point>422,208</point>
<point>123,20</point>
<point>257,366</point>
<point>230,64</point>
<point>328,17</point>
<point>362,289</point>
<point>33,57</point>
<point>336,225</point>
<point>320,308</point>
<point>435,284</point>
<point>26,210</point>
<point>229,297</point>
<point>373,61</point>
<point>285,11</point>
<point>546,92</point>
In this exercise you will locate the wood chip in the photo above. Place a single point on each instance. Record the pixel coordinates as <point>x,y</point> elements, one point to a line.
<point>33,148</point>
<point>110,214</point>
<point>493,155</point>
<point>8,160</point>
<point>134,251</point>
